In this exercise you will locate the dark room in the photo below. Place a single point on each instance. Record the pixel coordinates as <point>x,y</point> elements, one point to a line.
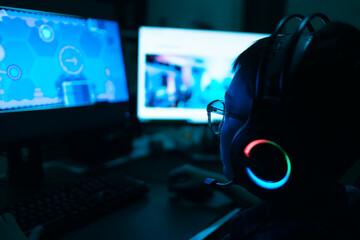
<point>179,120</point>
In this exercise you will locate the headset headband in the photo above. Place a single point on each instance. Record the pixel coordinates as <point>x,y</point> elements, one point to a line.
<point>291,53</point>
<point>287,62</point>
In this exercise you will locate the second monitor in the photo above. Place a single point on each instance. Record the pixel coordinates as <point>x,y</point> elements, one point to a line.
<point>181,70</point>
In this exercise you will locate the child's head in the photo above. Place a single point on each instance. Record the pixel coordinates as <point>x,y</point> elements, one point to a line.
<point>318,123</point>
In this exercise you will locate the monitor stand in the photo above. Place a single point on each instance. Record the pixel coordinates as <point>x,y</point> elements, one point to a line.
<point>25,165</point>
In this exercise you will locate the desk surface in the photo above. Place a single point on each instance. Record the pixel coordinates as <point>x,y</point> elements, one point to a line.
<point>156,216</point>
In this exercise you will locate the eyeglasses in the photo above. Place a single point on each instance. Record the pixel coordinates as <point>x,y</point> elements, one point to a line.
<point>216,115</point>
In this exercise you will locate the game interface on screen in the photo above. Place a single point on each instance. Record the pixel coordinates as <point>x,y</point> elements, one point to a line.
<point>50,61</point>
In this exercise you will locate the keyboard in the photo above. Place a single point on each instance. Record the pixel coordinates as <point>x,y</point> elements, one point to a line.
<point>67,206</point>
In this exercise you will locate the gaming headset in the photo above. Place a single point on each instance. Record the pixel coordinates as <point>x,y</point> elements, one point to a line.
<point>260,141</point>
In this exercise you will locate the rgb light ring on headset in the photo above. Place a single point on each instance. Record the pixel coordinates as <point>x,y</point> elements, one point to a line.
<point>261,182</point>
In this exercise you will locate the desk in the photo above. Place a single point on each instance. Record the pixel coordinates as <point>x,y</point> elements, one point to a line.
<point>156,216</point>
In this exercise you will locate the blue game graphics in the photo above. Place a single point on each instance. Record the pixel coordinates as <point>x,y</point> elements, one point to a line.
<point>48,60</point>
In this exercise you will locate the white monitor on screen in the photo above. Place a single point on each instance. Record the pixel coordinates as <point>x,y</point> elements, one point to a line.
<point>181,70</point>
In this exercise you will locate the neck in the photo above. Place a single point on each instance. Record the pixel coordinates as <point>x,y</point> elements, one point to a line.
<point>312,203</point>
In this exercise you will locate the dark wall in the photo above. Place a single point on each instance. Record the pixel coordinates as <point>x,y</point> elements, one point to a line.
<point>85,8</point>
<point>262,15</point>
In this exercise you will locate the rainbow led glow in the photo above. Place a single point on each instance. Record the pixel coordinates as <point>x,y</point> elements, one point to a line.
<point>261,182</point>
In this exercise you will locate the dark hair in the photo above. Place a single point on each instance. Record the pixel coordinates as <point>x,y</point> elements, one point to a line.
<point>246,64</point>
<point>324,89</point>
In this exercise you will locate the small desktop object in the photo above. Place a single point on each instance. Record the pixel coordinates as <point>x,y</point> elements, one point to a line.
<point>181,70</point>
<point>58,74</point>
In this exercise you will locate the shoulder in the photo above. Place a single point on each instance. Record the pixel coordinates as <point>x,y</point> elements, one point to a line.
<point>353,195</point>
<point>254,223</point>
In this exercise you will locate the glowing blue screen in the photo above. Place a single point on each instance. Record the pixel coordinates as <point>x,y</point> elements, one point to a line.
<point>51,61</point>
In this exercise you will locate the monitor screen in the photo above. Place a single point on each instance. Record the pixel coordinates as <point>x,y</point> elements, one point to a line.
<point>181,70</point>
<point>50,61</point>
<point>59,73</point>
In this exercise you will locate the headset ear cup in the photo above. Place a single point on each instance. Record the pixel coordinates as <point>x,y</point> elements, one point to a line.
<point>276,168</point>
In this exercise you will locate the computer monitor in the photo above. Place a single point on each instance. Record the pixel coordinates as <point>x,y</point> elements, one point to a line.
<point>181,70</point>
<point>59,74</point>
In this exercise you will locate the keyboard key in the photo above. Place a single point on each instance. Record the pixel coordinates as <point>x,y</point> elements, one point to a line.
<point>57,209</point>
